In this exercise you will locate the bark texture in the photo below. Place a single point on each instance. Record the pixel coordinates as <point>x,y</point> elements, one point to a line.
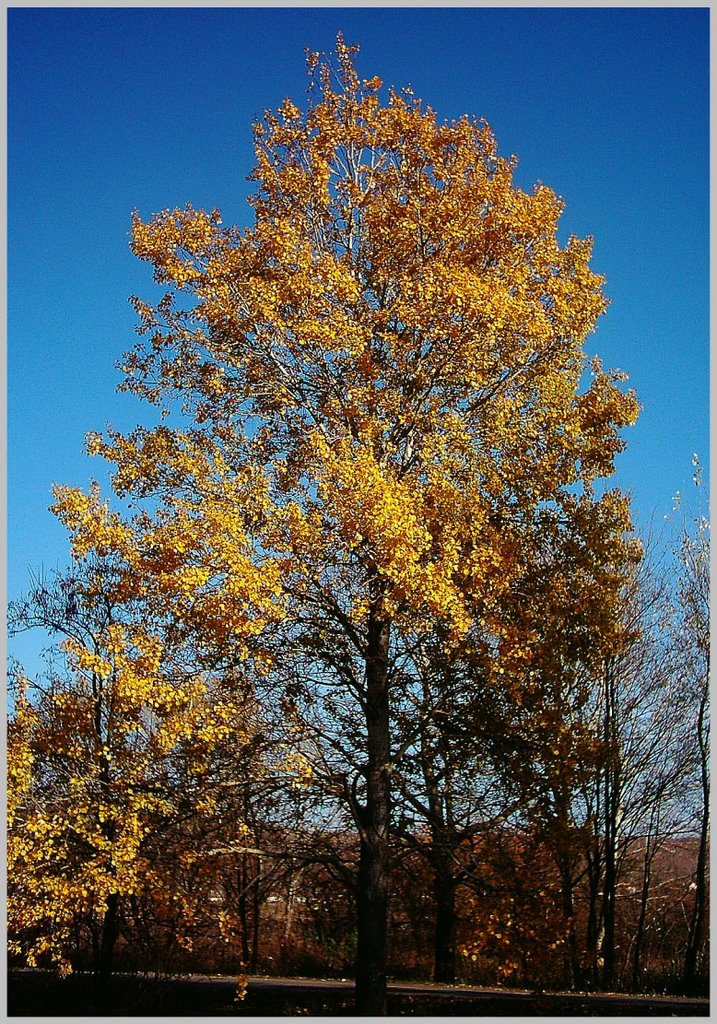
<point>374,822</point>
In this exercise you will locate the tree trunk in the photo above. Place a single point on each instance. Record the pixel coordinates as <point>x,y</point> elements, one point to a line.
<point>243,879</point>
<point>96,933</point>
<point>373,822</point>
<point>696,933</point>
<point>608,939</point>
<point>288,914</point>
<point>612,814</point>
<point>444,969</point>
<point>644,897</point>
<point>572,958</point>
<point>256,924</point>
<point>109,922</point>
<point>109,936</point>
<point>594,921</point>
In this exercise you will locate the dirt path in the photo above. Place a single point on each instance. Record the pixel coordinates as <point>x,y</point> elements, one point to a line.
<point>38,993</point>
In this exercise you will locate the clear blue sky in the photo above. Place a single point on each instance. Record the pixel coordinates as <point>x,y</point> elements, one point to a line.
<point>112,109</point>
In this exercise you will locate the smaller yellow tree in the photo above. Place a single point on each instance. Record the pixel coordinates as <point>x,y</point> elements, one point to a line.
<point>114,765</point>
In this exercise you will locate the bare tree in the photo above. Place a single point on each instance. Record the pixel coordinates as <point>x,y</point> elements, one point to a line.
<point>692,643</point>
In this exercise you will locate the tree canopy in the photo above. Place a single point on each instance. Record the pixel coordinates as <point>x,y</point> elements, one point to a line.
<point>383,399</point>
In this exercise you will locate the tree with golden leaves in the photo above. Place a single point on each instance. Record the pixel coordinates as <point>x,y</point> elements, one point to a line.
<point>116,764</point>
<point>381,386</point>
<point>503,729</point>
